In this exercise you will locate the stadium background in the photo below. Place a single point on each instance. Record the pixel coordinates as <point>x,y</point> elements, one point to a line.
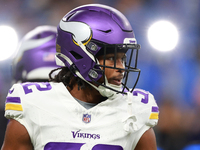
<point>173,77</point>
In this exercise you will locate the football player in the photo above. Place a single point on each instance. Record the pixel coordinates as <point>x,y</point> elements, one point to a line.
<point>87,105</point>
<point>35,57</point>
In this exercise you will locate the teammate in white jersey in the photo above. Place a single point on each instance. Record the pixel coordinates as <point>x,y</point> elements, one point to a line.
<point>87,105</point>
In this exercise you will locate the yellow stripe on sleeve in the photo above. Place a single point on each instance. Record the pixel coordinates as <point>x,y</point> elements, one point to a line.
<point>13,107</point>
<point>153,116</point>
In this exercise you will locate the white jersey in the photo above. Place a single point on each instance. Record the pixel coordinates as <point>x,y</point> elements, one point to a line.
<point>56,121</point>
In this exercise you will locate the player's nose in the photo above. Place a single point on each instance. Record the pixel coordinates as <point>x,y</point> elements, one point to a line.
<point>120,64</point>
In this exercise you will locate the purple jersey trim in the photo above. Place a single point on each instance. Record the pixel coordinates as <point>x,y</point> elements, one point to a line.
<point>13,100</point>
<point>155,109</point>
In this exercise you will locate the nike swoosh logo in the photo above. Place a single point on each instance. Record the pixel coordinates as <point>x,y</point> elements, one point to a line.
<point>33,43</point>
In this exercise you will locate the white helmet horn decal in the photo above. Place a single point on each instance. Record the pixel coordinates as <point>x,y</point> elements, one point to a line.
<point>75,28</point>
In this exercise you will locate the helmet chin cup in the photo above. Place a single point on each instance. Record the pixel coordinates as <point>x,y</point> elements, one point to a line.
<point>109,90</point>
<point>105,92</point>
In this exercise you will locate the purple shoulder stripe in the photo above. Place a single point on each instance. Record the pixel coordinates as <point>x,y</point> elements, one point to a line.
<point>13,100</point>
<point>155,109</point>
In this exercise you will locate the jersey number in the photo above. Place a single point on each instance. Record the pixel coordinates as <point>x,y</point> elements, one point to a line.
<point>79,146</point>
<point>28,87</point>
<point>143,95</point>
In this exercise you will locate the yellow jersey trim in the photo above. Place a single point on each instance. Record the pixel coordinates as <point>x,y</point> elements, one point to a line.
<point>153,116</point>
<point>13,107</point>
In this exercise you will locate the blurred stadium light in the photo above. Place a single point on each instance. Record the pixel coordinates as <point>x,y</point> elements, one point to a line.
<point>163,36</point>
<point>8,40</point>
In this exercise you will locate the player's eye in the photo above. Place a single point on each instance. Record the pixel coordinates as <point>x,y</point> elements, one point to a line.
<point>111,58</point>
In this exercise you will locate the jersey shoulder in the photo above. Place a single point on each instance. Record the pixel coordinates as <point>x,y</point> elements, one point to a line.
<point>23,96</point>
<point>146,108</point>
<point>13,106</point>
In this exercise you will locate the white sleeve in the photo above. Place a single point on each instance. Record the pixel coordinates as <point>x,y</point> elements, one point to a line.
<point>145,108</point>
<point>144,112</point>
<point>13,105</point>
<point>147,117</point>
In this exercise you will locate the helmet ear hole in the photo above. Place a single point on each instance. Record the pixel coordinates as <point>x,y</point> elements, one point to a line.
<point>76,55</point>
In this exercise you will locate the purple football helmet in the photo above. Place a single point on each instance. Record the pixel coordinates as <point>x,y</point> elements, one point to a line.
<point>92,30</point>
<point>35,57</point>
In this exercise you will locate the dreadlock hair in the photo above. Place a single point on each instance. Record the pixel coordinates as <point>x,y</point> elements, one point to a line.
<point>68,78</point>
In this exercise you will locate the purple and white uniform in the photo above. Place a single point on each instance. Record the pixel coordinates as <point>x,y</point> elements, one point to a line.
<point>55,120</point>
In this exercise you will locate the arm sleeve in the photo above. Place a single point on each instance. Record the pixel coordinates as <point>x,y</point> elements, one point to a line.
<point>13,104</point>
<point>147,117</point>
<point>144,116</point>
<point>145,108</point>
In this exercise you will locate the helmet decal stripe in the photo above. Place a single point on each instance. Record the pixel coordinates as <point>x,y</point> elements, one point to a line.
<point>80,31</point>
<point>30,44</point>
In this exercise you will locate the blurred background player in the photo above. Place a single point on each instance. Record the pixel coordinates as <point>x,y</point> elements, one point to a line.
<point>36,55</point>
<point>34,60</point>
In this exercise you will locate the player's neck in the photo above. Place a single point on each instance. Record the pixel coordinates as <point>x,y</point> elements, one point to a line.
<point>89,95</point>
